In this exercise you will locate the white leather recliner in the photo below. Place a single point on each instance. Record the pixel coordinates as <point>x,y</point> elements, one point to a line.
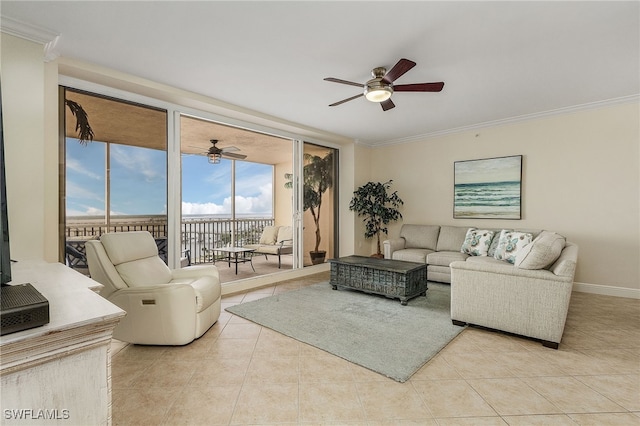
<point>164,306</point>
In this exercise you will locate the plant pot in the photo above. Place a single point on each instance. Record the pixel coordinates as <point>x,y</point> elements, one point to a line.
<point>317,257</point>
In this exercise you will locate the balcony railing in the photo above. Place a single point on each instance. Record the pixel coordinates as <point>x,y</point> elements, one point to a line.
<point>199,237</point>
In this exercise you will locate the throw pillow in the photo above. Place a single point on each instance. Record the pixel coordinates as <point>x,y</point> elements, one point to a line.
<point>477,242</point>
<point>269,234</point>
<point>510,243</point>
<point>542,252</point>
<point>494,243</point>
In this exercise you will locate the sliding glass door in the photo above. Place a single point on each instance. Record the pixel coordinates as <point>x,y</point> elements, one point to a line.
<point>231,199</point>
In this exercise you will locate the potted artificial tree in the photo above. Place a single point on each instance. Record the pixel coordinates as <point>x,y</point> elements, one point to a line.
<point>318,178</point>
<point>378,207</point>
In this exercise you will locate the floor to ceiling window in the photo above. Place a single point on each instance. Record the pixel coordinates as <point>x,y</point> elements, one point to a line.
<point>117,181</point>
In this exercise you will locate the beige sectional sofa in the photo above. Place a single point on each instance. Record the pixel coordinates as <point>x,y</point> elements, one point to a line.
<point>519,281</point>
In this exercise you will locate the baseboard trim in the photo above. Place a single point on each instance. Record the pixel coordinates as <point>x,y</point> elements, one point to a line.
<point>607,290</point>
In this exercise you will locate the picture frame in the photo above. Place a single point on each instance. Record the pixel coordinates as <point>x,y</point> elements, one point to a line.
<point>488,188</point>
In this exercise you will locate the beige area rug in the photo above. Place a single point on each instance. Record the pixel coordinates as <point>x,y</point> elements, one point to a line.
<point>372,331</point>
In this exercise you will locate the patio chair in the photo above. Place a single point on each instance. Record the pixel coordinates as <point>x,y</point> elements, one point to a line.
<point>276,241</point>
<point>164,306</point>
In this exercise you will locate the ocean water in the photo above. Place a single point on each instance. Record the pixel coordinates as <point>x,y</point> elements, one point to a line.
<point>487,199</point>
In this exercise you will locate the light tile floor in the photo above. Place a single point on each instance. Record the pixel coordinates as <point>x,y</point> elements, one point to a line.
<point>239,373</point>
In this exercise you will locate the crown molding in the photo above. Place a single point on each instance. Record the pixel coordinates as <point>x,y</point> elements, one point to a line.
<point>33,33</point>
<point>510,120</point>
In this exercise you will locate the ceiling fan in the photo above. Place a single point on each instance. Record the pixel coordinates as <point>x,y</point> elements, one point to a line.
<point>381,87</point>
<point>214,154</point>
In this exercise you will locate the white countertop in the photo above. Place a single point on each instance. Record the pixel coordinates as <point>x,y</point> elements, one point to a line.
<point>76,311</point>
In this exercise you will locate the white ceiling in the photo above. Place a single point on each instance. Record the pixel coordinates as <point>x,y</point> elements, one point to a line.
<point>499,60</point>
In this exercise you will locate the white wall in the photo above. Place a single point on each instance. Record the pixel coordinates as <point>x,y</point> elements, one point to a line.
<point>283,205</point>
<point>361,175</point>
<point>581,178</point>
<point>32,193</point>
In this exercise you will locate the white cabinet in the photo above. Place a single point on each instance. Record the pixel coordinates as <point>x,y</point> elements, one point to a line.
<point>59,373</point>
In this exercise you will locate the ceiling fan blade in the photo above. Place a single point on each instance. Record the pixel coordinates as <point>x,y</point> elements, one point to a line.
<point>347,100</point>
<point>419,87</point>
<point>234,156</point>
<point>388,104</point>
<point>230,149</point>
<point>398,70</point>
<point>337,80</point>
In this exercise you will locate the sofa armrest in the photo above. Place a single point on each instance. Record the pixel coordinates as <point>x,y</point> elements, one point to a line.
<point>195,271</point>
<point>392,245</point>
<point>566,264</point>
<point>285,243</point>
<point>285,246</point>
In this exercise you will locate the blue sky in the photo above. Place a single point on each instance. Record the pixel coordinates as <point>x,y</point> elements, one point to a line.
<point>138,183</point>
<point>206,188</point>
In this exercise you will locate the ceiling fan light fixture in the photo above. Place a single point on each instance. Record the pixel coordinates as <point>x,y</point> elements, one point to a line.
<point>214,154</point>
<point>377,90</point>
<point>214,157</point>
<point>378,94</point>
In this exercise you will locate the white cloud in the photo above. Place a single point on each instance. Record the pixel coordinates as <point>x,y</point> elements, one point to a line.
<point>77,166</point>
<point>139,161</point>
<point>202,208</point>
<point>261,204</point>
<point>88,211</point>
<point>73,190</point>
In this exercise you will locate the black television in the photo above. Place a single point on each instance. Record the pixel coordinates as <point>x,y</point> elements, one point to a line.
<point>5,249</point>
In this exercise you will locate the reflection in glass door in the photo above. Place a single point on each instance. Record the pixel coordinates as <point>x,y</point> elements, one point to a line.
<point>319,203</point>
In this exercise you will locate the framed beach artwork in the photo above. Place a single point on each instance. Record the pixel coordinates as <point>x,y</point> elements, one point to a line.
<point>488,188</point>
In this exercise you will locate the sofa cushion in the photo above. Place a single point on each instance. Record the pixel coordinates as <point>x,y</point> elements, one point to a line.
<point>285,233</point>
<point>489,260</point>
<point>441,274</point>
<point>444,258</point>
<point>451,238</point>
<point>510,243</point>
<point>412,255</point>
<point>477,242</point>
<point>269,234</point>
<point>543,251</point>
<point>420,236</point>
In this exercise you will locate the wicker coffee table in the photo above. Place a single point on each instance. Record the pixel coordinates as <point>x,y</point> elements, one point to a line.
<point>392,278</point>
